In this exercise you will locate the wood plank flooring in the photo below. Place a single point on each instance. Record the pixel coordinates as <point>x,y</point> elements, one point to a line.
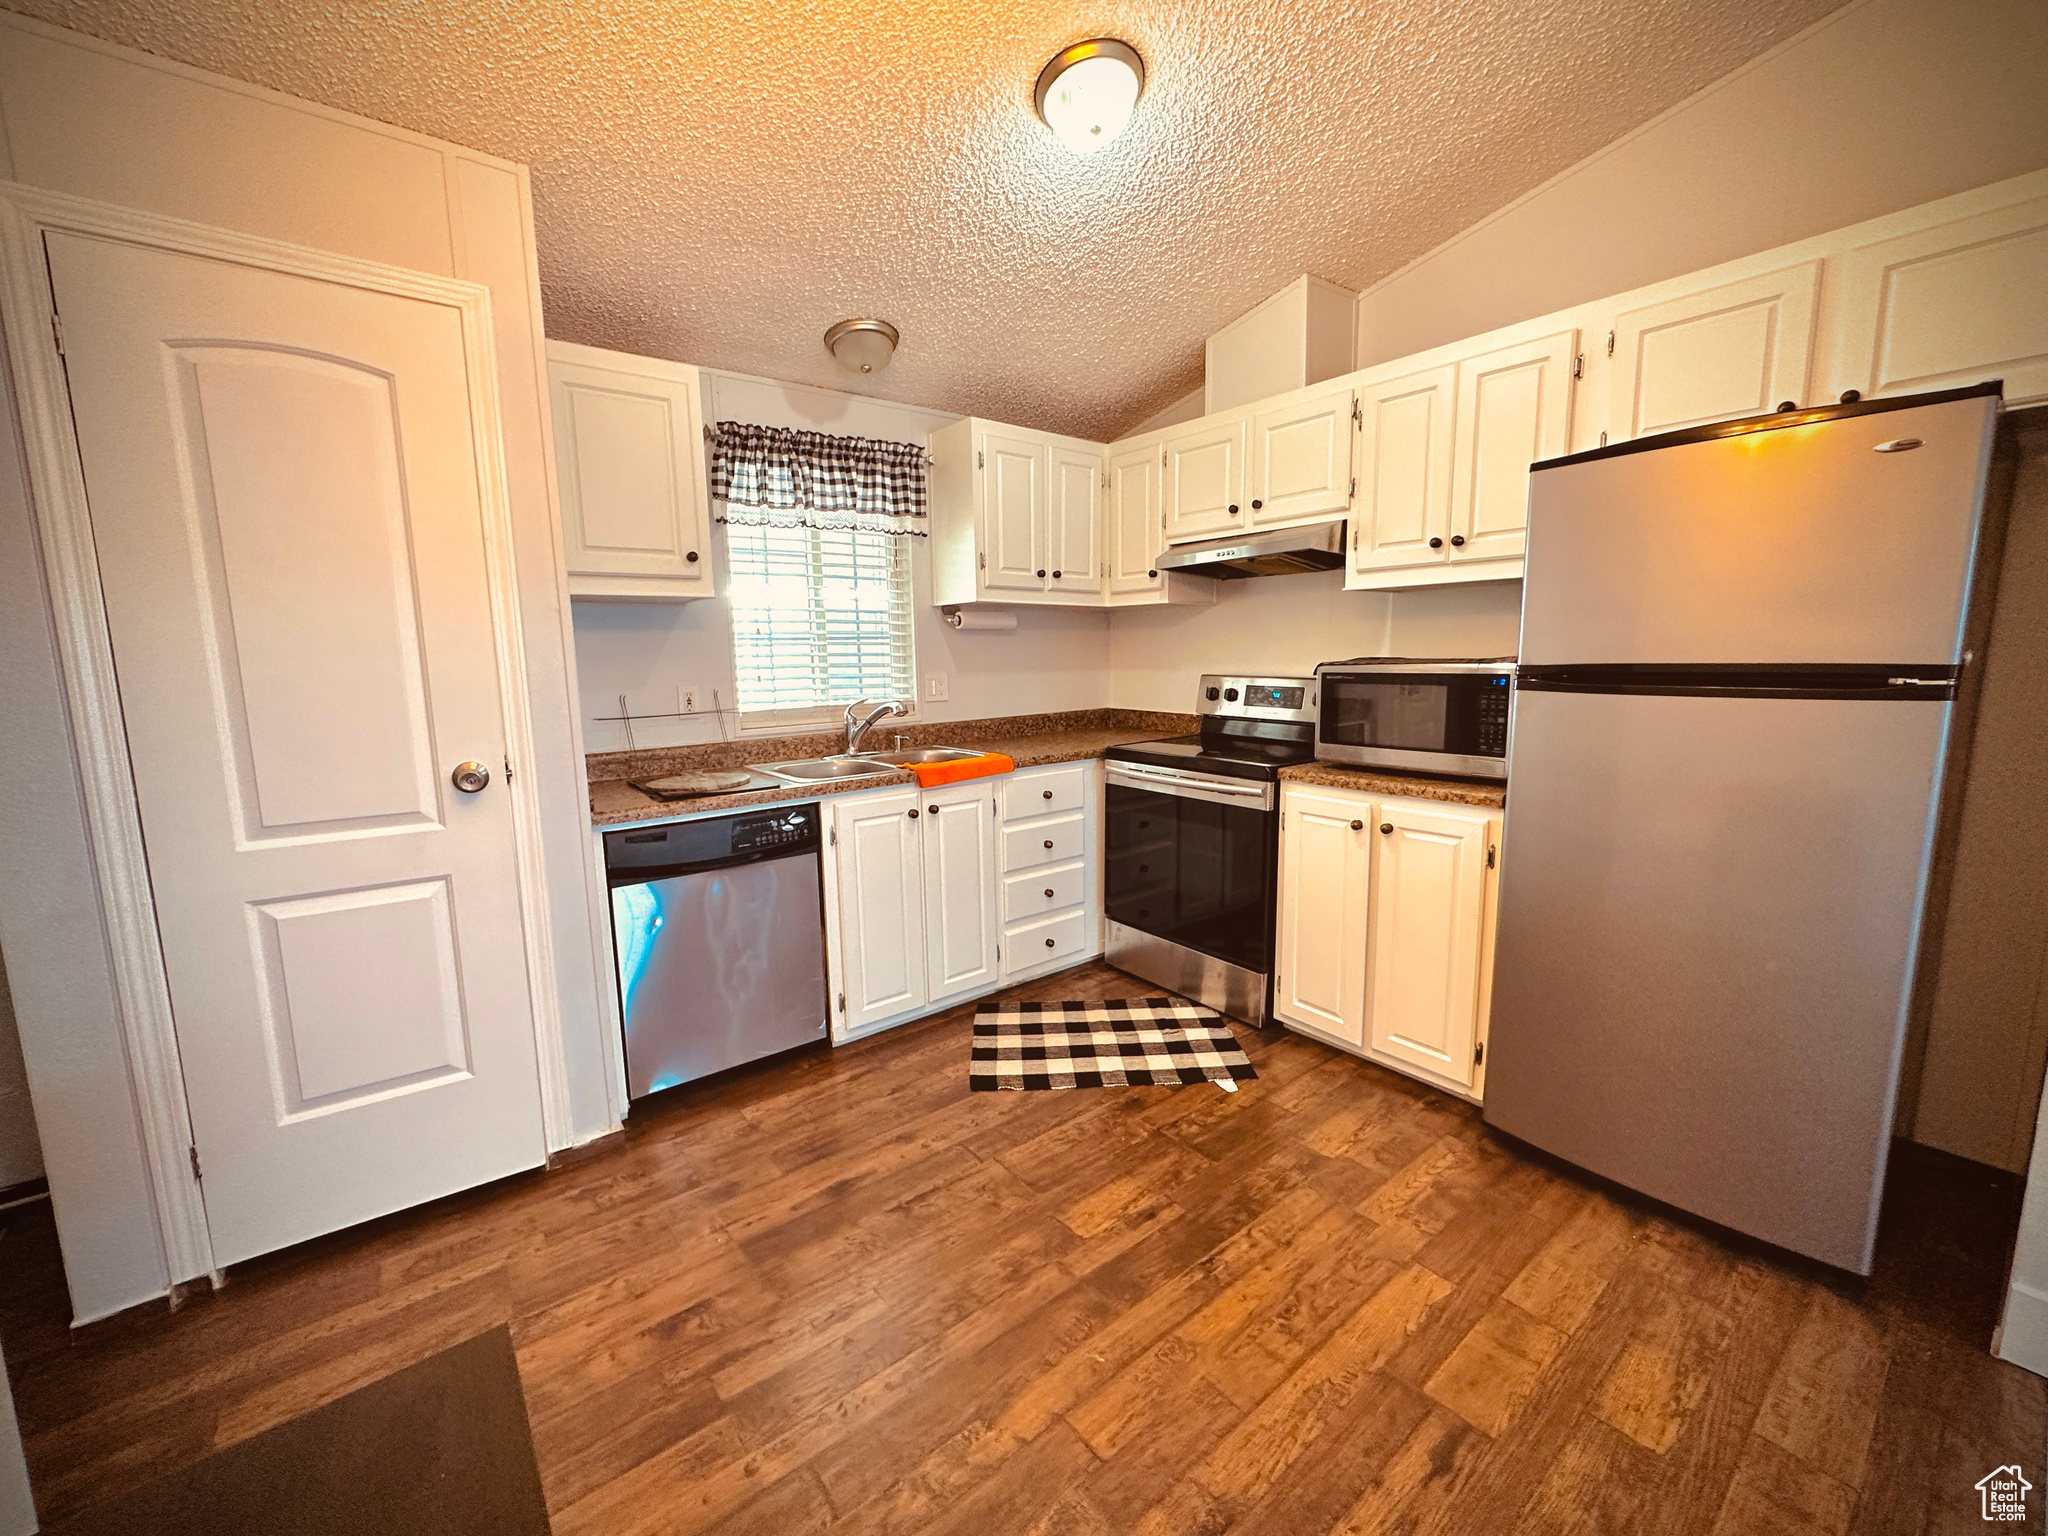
<point>841,1291</point>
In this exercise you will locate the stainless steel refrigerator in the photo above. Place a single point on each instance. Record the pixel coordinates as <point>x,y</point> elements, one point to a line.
<point>1741,648</point>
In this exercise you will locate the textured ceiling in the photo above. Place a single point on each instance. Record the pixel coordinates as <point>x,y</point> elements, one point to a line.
<point>718,183</point>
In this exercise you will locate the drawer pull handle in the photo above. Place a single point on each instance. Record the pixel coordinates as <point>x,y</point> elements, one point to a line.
<point>1048,943</point>
<point>1048,842</point>
<point>1048,890</point>
<point>1047,793</point>
<point>913,814</point>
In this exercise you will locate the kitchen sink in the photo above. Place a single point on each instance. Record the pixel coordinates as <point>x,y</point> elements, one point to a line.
<point>817,770</point>
<point>921,755</point>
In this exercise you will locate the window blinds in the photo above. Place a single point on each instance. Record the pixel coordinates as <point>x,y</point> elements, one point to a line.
<point>820,617</point>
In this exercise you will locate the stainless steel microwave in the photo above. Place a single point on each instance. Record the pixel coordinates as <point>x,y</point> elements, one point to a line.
<point>1417,715</point>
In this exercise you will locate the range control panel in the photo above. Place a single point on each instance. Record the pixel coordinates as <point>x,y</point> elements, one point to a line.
<point>1258,698</point>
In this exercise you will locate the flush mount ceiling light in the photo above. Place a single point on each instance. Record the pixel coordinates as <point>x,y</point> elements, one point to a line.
<point>862,346</point>
<point>1087,93</point>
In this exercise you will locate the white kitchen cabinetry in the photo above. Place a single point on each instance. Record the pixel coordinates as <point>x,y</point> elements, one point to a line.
<point>1386,929</point>
<point>629,457</point>
<point>1514,407</point>
<point>1135,528</point>
<point>960,918</point>
<point>1074,522</point>
<point>1728,348</point>
<point>1404,474</point>
<point>1937,308</point>
<point>1325,892</point>
<point>879,854</point>
<point>1205,471</point>
<point>1016,517</point>
<point>1052,868</point>
<point>1012,470</point>
<point>1301,460</point>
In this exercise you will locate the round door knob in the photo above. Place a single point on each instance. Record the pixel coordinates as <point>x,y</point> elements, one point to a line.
<point>1433,544</point>
<point>470,777</point>
<point>913,815</point>
<point>1457,541</point>
<point>1151,575</point>
<point>1048,943</point>
<point>1358,826</point>
<point>1386,826</point>
<point>1256,505</point>
<point>1055,575</point>
<point>1041,575</point>
<point>1233,509</point>
<point>691,557</point>
<point>1047,793</point>
<point>1048,842</point>
<point>1048,891</point>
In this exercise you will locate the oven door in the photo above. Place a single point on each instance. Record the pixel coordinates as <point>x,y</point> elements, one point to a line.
<point>1432,721</point>
<point>1192,859</point>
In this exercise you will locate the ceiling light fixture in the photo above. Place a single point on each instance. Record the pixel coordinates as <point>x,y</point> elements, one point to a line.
<point>862,346</point>
<point>1087,93</point>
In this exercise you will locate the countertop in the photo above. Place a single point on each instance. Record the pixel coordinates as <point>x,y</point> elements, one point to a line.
<point>1031,740</point>
<point>1378,781</point>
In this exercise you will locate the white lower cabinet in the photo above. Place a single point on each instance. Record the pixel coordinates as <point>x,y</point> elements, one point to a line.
<point>935,896</point>
<point>1386,929</point>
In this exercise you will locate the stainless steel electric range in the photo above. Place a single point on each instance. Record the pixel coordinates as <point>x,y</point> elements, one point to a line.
<point>1194,843</point>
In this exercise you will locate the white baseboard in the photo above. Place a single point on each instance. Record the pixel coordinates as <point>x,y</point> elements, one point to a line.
<point>2023,1332</point>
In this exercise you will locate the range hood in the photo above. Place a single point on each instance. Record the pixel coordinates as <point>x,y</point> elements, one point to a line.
<point>1283,552</point>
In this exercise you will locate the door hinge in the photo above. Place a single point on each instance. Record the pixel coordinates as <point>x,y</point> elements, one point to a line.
<point>57,331</point>
<point>508,770</point>
<point>832,837</point>
<point>980,459</point>
<point>1162,455</point>
<point>1479,1054</point>
<point>1357,411</point>
<point>1354,487</point>
<point>1610,343</point>
<point>842,1002</point>
<point>195,1161</point>
<point>984,559</point>
<point>1490,852</point>
<point>1579,366</point>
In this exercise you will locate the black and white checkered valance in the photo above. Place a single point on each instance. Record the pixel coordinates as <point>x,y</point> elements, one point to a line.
<point>783,477</point>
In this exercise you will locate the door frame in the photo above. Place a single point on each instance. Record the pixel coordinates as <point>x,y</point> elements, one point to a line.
<point>56,484</point>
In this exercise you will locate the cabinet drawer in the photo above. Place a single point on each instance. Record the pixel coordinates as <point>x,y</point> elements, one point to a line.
<point>1055,939</point>
<point>1044,842</point>
<point>1042,791</point>
<point>1038,893</point>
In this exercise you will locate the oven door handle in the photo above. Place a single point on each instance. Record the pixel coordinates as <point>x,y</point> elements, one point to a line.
<point>1187,786</point>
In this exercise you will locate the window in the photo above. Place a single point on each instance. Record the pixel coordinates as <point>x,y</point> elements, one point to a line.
<point>820,617</point>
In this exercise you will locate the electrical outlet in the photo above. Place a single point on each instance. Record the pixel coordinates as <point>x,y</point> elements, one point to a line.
<point>689,695</point>
<point>934,687</point>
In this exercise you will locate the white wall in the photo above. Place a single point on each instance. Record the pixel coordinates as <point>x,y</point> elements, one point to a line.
<point>1882,105</point>
<point>21,1155</point>
<point>1053,660</point>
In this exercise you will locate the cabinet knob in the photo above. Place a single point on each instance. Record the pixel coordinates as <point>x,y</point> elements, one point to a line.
<point>1256,505</point>
<point>1041,575</point>
<point>1048,842</point>
<point>1049,943</point>
<point>1151,575</point>
<point>933,809</point>
<point>691,557</point>
<point>913,814</point>
<point>1055,575</point>
<point>1048,891</point>
<point>1457,541</point>
<point>1233,509</point>
<point>1358,826</point>
<point>1046,793</point>
<point>1433,544</point>
<point>1386,826</point>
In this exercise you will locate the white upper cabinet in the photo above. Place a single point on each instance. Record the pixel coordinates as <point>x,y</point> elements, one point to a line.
<point>1325,887</point>
<point>629,456</point>
<point>1204,467</point>
<point>1136,530</point>
<point>1428,917</point>
<point>1955,304</point>
<point>1074,522</point>
<point>1403,514</point>
<point>1734,348</point>
<point>1514,407</point>
<point>1013,476</point>
<point>1301,460</point>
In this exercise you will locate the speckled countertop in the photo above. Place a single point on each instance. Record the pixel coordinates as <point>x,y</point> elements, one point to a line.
<point>1368,781</point>
<point>1031,740</point>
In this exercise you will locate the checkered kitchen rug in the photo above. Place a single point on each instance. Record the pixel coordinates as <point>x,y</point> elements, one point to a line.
<point>1111,1044</point>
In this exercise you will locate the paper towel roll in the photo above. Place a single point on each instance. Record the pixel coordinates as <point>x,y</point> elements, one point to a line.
<point>978,620</point>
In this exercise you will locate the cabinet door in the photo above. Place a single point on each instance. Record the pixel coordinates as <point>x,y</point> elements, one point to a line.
<point>1325,886</point>
<point>1204,490</point>
<point>960,889</point>
<point>1428,914</point>
<point>1735,349</point>
<point>1075,522</point>
<point>1514,407</point>
<point>881,906</point>
<point>1939,308</point>
<point>1013,513</point>
<point>1403,511</point>
<point>628,459</point>
<point>1134,520</point>
<point>1301,460</point>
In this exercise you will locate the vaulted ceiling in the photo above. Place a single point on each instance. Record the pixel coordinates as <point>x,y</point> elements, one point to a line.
<point>717,183</point>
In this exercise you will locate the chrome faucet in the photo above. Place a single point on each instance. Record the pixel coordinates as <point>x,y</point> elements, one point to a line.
<point>855,729</point>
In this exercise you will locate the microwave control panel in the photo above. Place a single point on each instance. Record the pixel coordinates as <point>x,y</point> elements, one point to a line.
<point>1493,717</point>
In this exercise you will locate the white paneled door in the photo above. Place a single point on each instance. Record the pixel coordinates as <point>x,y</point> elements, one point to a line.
<point>1428,917</point>
<point>287,495</point>
<point>960,920</point>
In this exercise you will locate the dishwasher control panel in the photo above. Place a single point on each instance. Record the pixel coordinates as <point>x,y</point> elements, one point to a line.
<point>782,827</point>
<point>643,853</point>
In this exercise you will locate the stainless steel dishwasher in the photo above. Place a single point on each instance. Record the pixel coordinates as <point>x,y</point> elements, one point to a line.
<point>718,929</point>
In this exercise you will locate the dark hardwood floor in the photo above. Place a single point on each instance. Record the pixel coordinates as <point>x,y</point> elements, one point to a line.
<point>840,1290</point>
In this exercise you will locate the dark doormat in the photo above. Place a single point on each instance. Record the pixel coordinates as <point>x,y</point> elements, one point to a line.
<point>441,1448</point>
<point>1118,1043</point>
